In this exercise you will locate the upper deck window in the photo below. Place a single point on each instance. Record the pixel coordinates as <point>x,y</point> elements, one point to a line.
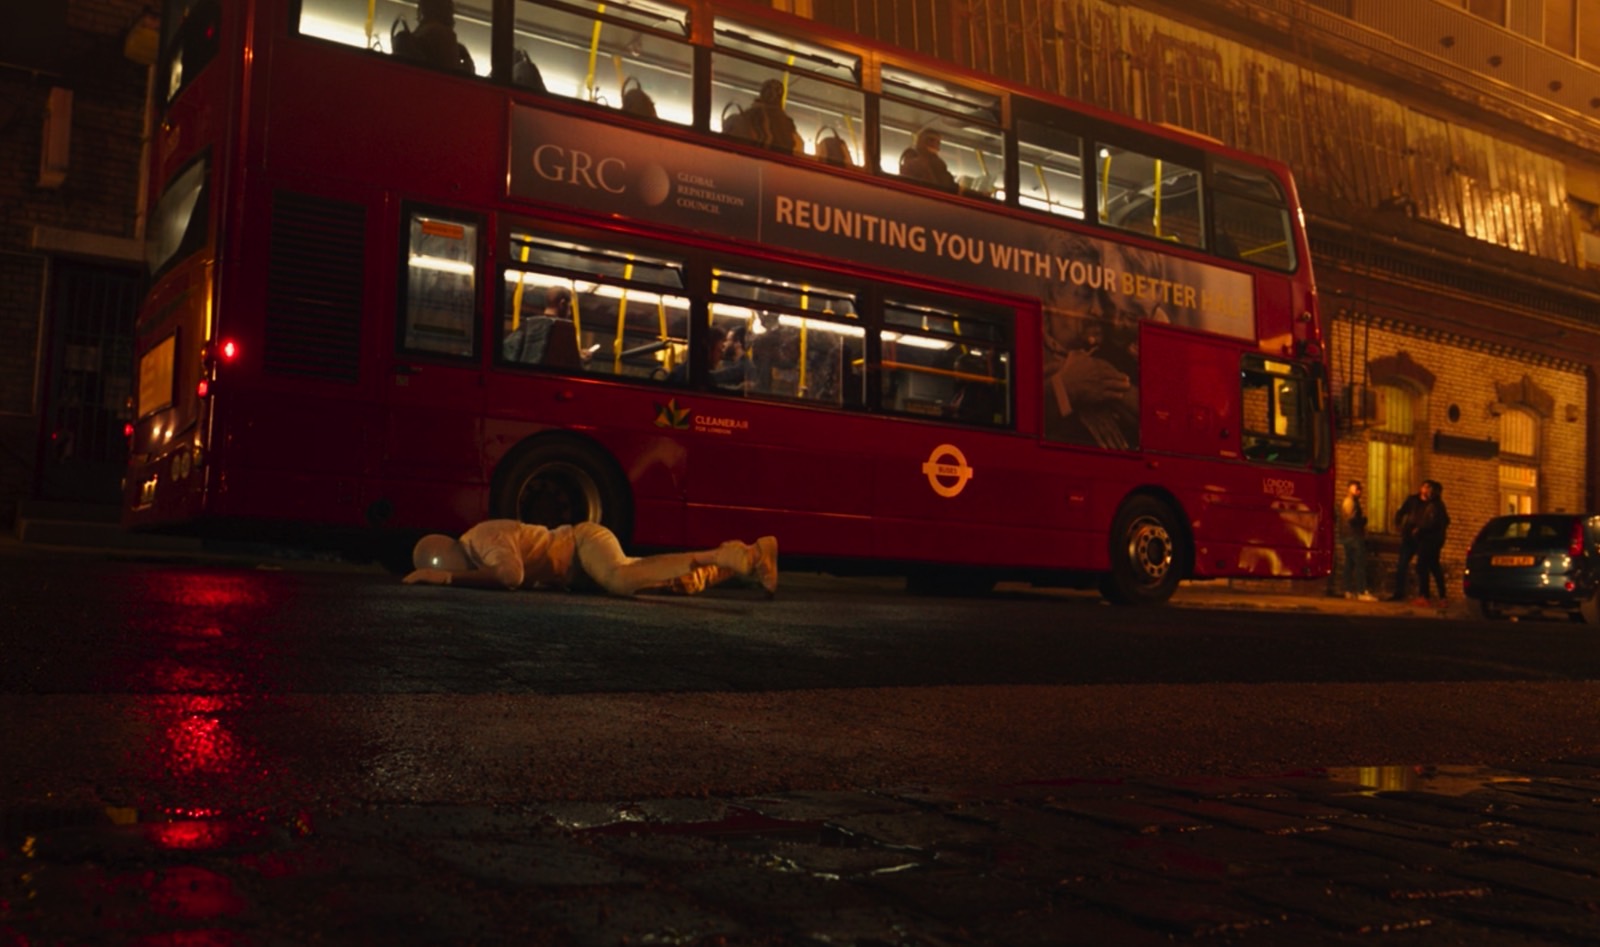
<point>452,35</point>
<point>940,134</point>
<point>788,95</point>
<point>1251,216</point>
<point>1050,169</point>
<point>634,55</point>
<point>793,54</point>
<point>189,40</point>
<point>1147,194</point>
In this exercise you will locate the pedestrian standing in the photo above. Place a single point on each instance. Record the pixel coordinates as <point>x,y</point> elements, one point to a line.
<point>1432,521</point>
<point>1353,537</point>
<point>1405,523</point>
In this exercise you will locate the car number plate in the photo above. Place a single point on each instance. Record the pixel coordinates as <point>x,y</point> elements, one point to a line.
<point>1511,560</point>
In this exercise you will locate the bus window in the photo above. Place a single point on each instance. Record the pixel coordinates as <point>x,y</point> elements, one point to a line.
<point>940,135</point>
<point>180,223</point>
<point>189,40</point>
<point>440,286</point>
<point>947,363</point>
<point>1251,216</point>
<point>412,29</point>
<point>1050,170</point>
<point>1148,195</point>
<point>1275,411</point>
<point>799,340</point>
<point>817,88</point>
<point>633,56</point>
<point>624,311</point>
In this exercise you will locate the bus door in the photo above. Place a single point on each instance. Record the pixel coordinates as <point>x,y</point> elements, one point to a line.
<point>433,427</point>
<point>956,490</point>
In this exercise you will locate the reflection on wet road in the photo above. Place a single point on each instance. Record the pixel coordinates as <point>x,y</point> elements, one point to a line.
<point>203,755</point>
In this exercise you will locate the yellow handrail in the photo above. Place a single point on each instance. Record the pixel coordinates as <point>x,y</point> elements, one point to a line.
<point>1155,216</point>
<point>594,51</point>
<point>622,315</point>
<point>516,296</point>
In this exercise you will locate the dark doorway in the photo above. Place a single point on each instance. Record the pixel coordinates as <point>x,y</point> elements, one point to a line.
<point>88,381</point>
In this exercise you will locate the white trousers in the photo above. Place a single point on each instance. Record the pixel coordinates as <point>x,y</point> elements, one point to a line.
<point>599,556</point>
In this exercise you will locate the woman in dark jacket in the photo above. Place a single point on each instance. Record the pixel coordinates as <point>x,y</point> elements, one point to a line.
<point>1432,521</point>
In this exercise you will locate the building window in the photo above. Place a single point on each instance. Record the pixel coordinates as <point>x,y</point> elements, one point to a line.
<point>1391,454</point>
<point>1519,451</point>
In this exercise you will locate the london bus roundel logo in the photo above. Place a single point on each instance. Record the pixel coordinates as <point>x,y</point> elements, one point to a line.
<point>947,470</point>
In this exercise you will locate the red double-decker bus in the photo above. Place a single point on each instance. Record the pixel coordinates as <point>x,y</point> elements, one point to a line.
<point>699,270</point>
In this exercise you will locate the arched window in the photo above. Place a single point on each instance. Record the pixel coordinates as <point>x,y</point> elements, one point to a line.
<point>1391,454</point>
<point>1519,459</point>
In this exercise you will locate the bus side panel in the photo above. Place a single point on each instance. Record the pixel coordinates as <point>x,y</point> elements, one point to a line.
<point>796,472</point>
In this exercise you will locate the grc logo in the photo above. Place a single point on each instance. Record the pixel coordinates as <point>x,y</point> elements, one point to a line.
<point>1277,487</point>
<point>580,169</point>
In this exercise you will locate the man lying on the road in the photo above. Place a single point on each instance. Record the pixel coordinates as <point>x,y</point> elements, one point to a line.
<point>508,554</point>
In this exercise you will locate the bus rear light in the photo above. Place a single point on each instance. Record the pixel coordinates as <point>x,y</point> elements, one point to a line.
<point>127,430</point>
<point>1575,541</point>
<point>219,350</point>
<point>203,389</point>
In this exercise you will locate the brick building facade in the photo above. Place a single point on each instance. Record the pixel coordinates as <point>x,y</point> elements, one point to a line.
<point>72,119</point>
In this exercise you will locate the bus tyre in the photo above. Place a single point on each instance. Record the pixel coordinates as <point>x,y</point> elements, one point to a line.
<point>1145,559</point>
<point>562,482</point>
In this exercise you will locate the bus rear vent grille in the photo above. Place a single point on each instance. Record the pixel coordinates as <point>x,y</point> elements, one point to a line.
<point>314,276</point>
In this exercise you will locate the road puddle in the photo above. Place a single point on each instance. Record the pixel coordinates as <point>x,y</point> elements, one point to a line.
<point>1436,780</point>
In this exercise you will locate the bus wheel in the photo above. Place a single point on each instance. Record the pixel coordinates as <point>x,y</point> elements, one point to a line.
<point>1145,559</point>
<point>558,483</point>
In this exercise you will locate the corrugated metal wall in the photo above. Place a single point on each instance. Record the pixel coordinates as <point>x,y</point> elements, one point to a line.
<point>1348,144</point>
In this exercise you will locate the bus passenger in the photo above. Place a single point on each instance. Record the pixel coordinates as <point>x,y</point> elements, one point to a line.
<point>434,43</point>
<point>775,354</point>
<point>922,162</point>
<point>529,343</point>
<point>735,372</point>
<point>513,555</point>
<point>766,123</point>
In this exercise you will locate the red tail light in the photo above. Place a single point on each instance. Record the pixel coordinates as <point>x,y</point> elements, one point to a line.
<point>1575,544</point>
<point>229,350</point>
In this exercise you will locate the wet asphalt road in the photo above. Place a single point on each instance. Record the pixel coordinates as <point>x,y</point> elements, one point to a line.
<point>202,752</point>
